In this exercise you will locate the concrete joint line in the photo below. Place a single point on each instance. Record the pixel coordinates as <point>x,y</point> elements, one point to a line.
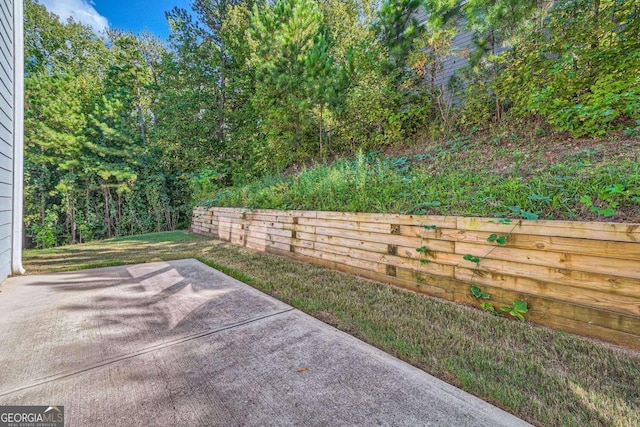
<point>145,350</point>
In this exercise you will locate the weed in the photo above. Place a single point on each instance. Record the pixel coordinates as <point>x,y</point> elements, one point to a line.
<point>467,183</point>
<point>501,240</point>
<point>517,309</point>
<point>478,293</point>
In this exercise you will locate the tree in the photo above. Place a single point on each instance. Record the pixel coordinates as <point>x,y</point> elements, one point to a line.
<point>398,27</point>
<point>294,73</point>
<point>496,25</point>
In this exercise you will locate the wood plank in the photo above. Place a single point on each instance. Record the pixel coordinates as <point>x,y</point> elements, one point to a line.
<point>579,279</point>
<point>388,239</point>
<point>601,248</point>
<point>259,246</point>
<point>272,238</point>
<point>546,318</point>
<point>230,215</point>
<point>347,225</point>
<point>251,223</point>
<point>277,245</point>
<point>625,339</point>
<point>592,264</point>
<point>232,219</point>
<point>381,248</point>
<point>368,274</point>
<point>579,327</point>
<point>285,213</point>
<point>417,220</point>
<point>580,230</point>
<point>348,254</point>
<point>278,232</point>
<point>604,318</point>
<point>300,228</point>
<point>328,256</point>
<point>256,239</point>
<point>219,210</point>
<point>587,297</point>
<point>433,248</point>
<point>271,218</point>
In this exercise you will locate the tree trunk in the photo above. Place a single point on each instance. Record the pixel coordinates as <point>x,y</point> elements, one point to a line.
<point>221,106</point>
<point>107,216</point>
<point>141,120</point>
<point>495,76</point>
<point>72,220</point>
<point>321,151</point>
<point>119,215</point>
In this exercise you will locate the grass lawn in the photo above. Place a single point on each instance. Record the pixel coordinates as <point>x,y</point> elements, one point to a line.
<point>544,376</point>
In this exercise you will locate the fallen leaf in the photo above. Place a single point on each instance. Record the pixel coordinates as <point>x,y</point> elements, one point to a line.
<point>302,369</point>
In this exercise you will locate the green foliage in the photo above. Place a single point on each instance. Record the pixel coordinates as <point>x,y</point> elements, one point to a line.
<point>517,309</point>
<point>123,136</point>
<point>517,210</point>
<point>501,240</point>
<point>45,234</point>
<point>368,183</point>
<point>468,257</point>
<point>488,307</point>
<point>398,29</point>
<point>478,293</point>
<point>91,168</point>
<point>579,69</point>
<point>204,183</point>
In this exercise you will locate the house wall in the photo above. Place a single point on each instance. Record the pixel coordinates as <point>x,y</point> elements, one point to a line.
<point>462,46</point>
<point>10,137</point>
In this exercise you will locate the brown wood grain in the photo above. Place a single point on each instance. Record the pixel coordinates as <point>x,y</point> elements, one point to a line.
<point>577,276</point>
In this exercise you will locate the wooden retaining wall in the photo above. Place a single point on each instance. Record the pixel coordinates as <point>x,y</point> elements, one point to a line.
<point>580,277</point>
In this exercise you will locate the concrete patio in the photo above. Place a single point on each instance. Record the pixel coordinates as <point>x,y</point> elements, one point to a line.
<point>178,343</point>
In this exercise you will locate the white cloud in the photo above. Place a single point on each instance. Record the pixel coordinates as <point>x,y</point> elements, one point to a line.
<point>80,10</point>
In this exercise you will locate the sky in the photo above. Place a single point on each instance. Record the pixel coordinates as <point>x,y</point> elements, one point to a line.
<point>133,15</point>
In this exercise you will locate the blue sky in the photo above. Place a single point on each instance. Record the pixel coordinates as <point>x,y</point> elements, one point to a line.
<point>134,15</point>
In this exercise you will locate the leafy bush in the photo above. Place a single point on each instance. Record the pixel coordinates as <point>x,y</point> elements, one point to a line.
<point>579,70</point>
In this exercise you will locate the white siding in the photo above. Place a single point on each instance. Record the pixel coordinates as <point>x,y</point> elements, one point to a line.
<point>10,190</point>
<point>6,135</point>
<point>462,46</point>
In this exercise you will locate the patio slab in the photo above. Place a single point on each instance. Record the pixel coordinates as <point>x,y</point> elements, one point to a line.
<point>179,343</point>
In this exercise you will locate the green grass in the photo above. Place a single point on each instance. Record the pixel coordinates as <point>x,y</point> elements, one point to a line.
<point>463,178</point>
<point>544,376</point>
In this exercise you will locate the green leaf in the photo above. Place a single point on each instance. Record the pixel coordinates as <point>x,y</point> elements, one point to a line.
<point>422,249</point>
<point>586,200</point>
<point>529,215</point>
<point>520,306</point>
<point>492,238</point>
<point>471,258</point>
<point>477,293</point>
<point>537,198</point>
<point>502,240</point>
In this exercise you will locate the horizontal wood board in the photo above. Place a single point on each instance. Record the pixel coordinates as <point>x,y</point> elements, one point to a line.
<point>581,277</point>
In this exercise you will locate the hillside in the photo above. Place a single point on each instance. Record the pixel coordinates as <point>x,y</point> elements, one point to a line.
<point>514,176</point>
